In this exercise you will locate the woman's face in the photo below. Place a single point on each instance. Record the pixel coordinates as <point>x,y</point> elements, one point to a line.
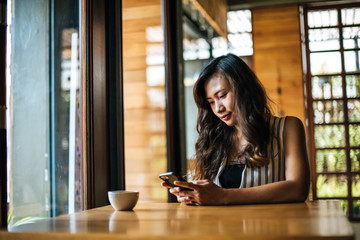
<point>221,98</point>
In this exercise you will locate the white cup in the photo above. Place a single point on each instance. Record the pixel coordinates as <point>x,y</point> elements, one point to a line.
<point>123,200</point>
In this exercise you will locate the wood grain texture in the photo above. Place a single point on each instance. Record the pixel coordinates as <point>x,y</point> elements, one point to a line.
<point>144,119</point>
<point>215,12</point>
<point>277,57</point>
<point>310,220</point>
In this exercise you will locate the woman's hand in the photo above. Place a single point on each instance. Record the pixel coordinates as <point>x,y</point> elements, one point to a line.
<point>204,193</point>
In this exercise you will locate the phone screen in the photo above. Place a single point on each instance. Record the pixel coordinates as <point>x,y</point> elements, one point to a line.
<point>171,177</point>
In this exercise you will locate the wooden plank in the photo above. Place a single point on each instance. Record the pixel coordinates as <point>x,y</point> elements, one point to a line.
<point>145,140</point>
<point>134,63</point>
<point>134,75</point>
<point>277,57</point>
<point>142,12</point>
<point>137,154</point>
<point>139,3</point>
<point>215,12</point>
<point>139,25</point>
<point>134,37</point>
<point>135,50</point>
<point>275,13</point>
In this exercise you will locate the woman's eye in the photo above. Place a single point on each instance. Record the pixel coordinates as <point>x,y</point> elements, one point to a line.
<point>224,95</point>
<point>211,102</point>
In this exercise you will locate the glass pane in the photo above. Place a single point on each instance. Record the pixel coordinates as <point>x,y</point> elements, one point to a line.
<point>325,63</point>
<point>350,16</point>
<point>332,186</point>
<point>355,159</point>
<point>324,39</point>
<point>220,46</point>
<point>355,186</point>
<point>144,99</point>
<point>241,44</point>
<point>352,61</point>
<point>345,206</point>
<point>239,21</point>
<point>330,161</point>
<point>326,87</point>
<point>354,110</point>
<point>240,36</point>
<point>356,208</point>
<point>352,86</point>
<point>196,49</point>
<point>351,37</point>
<point>354,135</point>
<point>328,111</point>
<point>45,109</point>
<point>329,136</point>
<point>324,18</point>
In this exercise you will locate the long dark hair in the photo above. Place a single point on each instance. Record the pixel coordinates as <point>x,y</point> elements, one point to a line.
<point>215,142</point>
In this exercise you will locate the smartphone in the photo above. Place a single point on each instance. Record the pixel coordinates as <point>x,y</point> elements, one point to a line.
<point>171,177</point>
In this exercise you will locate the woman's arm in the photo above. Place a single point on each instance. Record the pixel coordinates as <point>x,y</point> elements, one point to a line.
<point>294,189</point>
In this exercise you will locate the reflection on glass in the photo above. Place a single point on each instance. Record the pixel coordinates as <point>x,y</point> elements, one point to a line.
<point>352,86</point>
<point>356,208</point>
<point>220,46</point>
<point>352,61</point>
<point>324,18</point>
<point>328,111</point>
<point>354,135</point>
<point>240,32</point>
<point>355,160</point>
<point>241,44</point>
<point>351,37</point>
<point>326,87</point>
<point>354,110</point>
<point>330,161</point>
<point>325,63</point>
<point>355,185</point>
<point>350,16</point>
<point>324,39</point>
<point>196,49</point>
<point>144,98</point>
<point>45,116</point>
<point>331,186</point>
<point>329,136</point>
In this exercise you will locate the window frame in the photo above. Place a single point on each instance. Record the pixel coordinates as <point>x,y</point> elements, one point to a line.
<point>3,149</point>
<point>310,111</point>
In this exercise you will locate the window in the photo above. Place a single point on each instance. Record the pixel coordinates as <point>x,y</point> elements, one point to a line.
<point>144,98</point>
<point>44,117</point>
<point>240,32</point>
<point>333,83</point>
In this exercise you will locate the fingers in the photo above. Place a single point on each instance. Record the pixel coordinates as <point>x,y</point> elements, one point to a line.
<point>186,185</point>
<point>164,184</point>
<point>201,182</point>
<point>187,200</point>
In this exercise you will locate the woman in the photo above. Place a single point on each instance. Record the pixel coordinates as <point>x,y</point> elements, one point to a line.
<point>244,154</point>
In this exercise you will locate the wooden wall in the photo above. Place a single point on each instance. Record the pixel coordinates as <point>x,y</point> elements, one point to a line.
<point>145,128</point>
<point>277,57</point>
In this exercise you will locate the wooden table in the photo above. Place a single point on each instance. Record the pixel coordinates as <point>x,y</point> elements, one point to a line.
<point>310,220</point>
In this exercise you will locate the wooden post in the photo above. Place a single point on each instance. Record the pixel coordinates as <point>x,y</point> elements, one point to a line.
<point>174,87</point>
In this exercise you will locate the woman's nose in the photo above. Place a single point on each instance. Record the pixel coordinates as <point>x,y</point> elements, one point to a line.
<point>219,107</point>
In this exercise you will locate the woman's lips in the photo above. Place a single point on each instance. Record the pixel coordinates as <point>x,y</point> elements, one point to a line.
<point>226,117</point>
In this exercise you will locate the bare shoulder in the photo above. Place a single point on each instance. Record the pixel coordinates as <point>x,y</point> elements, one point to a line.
<point>294,127</point>
<point>292,122</point>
